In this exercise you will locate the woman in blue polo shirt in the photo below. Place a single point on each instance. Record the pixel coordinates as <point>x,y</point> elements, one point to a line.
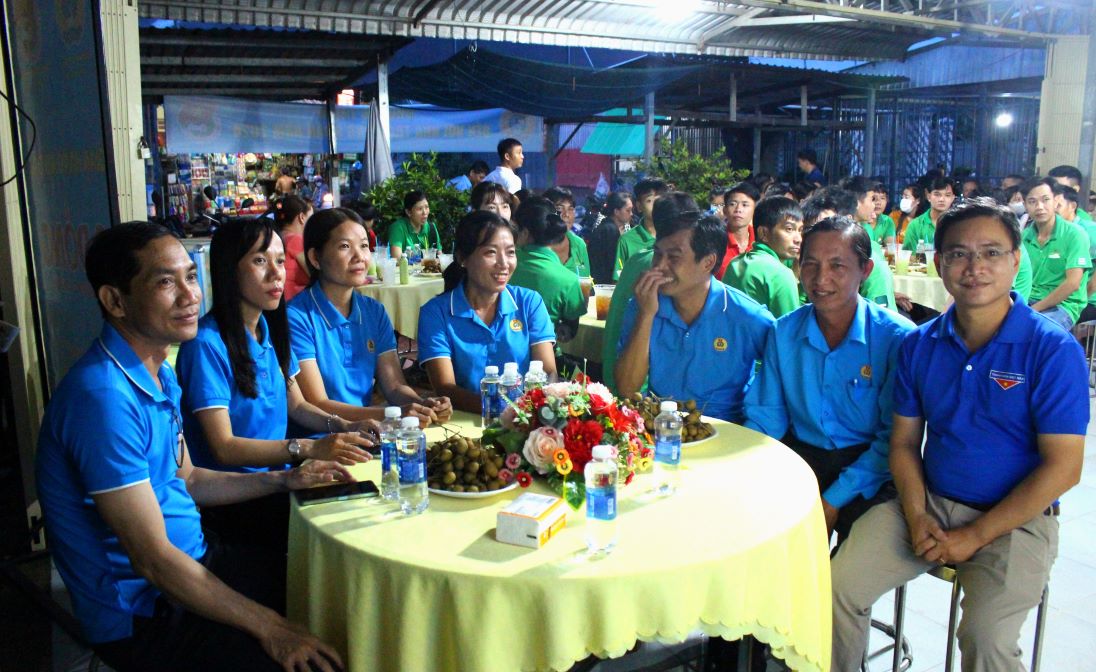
<point>479,320</point>
<point>238,381</point>
<point>343,340</point>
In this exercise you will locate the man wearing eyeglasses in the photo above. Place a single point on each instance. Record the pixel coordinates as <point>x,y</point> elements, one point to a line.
<point>1002,393</point>
<point>120,494</point>
<point>691,335</point>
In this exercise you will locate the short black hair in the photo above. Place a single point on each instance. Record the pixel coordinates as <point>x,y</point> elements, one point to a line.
<point>559,195</point>
<point>1035,183</point>
<point>507,145</point>
<point>941,182</point>
<point>669,205</point>
<point>842,202</point>
<point>479,166</point>
<point>1069,194</point>
<point>858,185</point>
<point>412,198</point>
<point>111,257</point>
<point>772,211</point>
<point>857,236</point>
<point>709,233</point>
<point>803,190</point>
<point>537,216</point>
<point>1066,171</point>
<point>615,201</point>
<point>979,206</point>
<point>649,184</point>
<point>777,189</point>
<point>485,192</point>
<point>746,188</point>
<point>807,154</point>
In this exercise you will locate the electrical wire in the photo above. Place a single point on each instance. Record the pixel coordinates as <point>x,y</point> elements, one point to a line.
<point>21,165</point>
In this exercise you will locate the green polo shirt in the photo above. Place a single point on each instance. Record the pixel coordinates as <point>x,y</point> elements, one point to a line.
<point>1082,215</point>
<point>882,229</point>
<point>1090,230</point>
<point>636,265</point>
<point>762,276</point>
<point>540,269</point>
<point>636,240</point>
<point>402,234</point>
<point>579,261</point>
<point>878,287</point>
<point>1022,282</point>
<point>919,228</point>
<point>1066,248</point>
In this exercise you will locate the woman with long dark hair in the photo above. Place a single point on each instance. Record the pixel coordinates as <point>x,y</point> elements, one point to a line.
<point>343,340</point>
<point>479,320</point>
<point>602,242</point>
<point>290,214</point>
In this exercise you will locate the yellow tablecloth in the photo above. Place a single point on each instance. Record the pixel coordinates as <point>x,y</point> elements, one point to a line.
<point>589,337</point>
<point>740,549</point>
<point>403,301</point>
<point>923,290</point>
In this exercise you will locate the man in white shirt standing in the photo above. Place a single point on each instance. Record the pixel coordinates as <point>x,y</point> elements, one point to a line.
<point>510,158</point>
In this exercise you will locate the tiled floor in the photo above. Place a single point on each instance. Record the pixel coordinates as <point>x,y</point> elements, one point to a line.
<point>1070,643</point>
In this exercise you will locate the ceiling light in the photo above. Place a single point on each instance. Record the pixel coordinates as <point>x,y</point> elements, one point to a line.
<point>1003,120</point>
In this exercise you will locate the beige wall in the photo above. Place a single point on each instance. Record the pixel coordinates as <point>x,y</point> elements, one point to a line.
<point>122,55</point>
<point>1060,106</point>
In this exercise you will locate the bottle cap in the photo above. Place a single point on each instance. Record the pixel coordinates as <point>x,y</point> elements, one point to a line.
<point>670,406</point>
<point>602,452</point>
<point>392,412</point>
<point>410,423</point>
<point>510,367</point>
<point>490,370</point>
<point>536,366</point>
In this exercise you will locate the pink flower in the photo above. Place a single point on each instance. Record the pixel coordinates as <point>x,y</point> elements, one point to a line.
<point>600,397</point>
<point>506,476</point>
<point>559,390</point>
<point>541,445</point>
<point>513,461</point>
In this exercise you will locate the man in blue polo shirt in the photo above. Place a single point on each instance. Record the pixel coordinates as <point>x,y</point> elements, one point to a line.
<point>827,377</point>
<point>120,494</point>
<point>696,337</point>
<point>1003,394</point>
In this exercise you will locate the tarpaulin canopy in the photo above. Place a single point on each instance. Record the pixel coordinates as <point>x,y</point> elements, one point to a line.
<point>475,79</point>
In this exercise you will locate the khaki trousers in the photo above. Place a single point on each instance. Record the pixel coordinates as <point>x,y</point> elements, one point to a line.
<point>1001,582</point>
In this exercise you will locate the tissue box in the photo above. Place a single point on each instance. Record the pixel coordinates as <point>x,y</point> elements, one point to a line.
<point>531,520</point>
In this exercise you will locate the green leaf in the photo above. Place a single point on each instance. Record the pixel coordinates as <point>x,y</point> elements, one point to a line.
<point>574,492</point>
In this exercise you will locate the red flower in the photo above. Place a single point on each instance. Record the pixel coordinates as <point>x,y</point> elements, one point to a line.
<point>524,479</point>
<point>580,437</point>
<point>536,398</point>
<point>631,475</point>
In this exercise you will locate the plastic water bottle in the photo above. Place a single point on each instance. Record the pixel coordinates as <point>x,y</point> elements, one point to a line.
<point>921,250</point>
<point>536,376</point>
<point>490,402</point>
<point>667,448</point>
<point>601,501</point>
<point>390,475</point>
<point>411,461</point>
<point>510,383</point>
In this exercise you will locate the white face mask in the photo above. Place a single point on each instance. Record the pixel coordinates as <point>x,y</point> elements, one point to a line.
<point>906,205</point>
<point>1018,209</point>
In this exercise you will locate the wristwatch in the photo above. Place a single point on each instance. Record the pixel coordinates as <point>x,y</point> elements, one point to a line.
<point>294,448</point>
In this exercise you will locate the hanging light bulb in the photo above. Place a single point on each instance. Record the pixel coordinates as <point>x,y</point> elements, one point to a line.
<point>1003,120</point>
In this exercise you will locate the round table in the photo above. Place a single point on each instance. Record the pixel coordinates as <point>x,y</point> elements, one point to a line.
<point>739,550</point>
<point>927,291</point>
<point>403,301</point>
<point>588,338</point>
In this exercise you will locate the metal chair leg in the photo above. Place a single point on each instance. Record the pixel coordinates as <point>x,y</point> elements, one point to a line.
<point>899,626</point>
<point>953,625</point>
<point>1040,628</point>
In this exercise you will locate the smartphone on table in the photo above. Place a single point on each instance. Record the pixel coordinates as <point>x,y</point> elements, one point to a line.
<point>336,492</point>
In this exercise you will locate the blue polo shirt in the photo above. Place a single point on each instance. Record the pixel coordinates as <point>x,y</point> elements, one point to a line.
<point>345,348</point>
<point>712,360</point>
<point>450,328</point>
<point>985,409</point>
<point>208,382</point>
<point>832,398</point>
<point>109,427</point>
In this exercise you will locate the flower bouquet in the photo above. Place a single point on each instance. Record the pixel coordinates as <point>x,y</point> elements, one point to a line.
<point>551,431</point>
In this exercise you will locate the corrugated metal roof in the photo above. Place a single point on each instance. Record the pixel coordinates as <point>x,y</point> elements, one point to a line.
<point>716,28</point>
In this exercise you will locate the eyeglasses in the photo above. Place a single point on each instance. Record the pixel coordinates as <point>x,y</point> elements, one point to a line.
<point>177,427</point>
<point>991,255</point>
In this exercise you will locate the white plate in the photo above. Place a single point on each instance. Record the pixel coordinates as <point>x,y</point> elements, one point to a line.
<point>473,495</point>
<point>425,274</point>
<point>715,433</point>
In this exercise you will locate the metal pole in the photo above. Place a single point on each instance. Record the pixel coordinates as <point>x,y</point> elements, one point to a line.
<point>382,99</point>
<point>757,150</point>
<point>734,98</point>
<point>649,126</point>
<point>1088,118</point>
<point>803,105</point>
<point>333,163</point>
<point>869,134</point>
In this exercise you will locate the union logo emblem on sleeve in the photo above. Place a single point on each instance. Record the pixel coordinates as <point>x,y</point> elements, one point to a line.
<point>1005,379</point>
<point>515,325</point>
<point>720,344</point>
<point>371,344</point>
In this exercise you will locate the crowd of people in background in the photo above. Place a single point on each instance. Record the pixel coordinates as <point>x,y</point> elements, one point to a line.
<point>772,306</point>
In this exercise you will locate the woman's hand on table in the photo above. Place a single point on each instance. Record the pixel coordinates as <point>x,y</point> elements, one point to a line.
<point>430,410</point>
<point>344,448</point>
<point>442,407</point>
<point>294,648</point>
<point>370,429</point>
<point>316,472</point>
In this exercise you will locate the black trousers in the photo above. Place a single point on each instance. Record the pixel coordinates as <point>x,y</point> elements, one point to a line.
<point>177,640</point>
<point>261,522</point>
